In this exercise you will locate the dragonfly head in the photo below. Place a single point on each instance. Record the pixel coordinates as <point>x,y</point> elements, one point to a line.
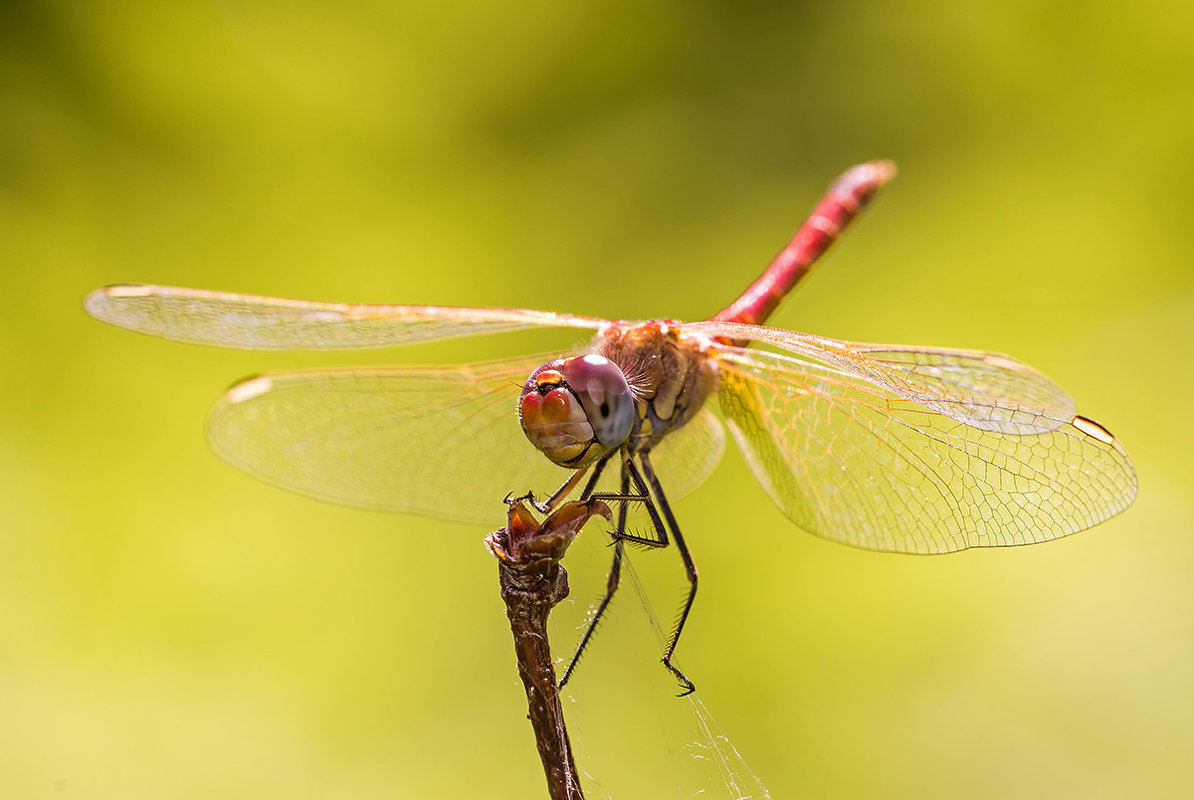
<point>575,410</point>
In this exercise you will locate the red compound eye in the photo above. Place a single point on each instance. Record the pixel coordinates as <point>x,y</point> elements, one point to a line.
<point>575,410</point>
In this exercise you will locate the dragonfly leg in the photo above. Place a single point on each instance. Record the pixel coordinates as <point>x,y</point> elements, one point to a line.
<point>629,471</point>
<point>689,567</point>
<point>630,474</point>
<point>587,494</point>
<point>624,498</point>
<point>611,585</point>
<point>548,505</point>
<point>565,489</point>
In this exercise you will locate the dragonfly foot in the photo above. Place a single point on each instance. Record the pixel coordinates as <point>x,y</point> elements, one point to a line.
<point>542,508</point>
<point>529,499</point>
<point>687,686</point>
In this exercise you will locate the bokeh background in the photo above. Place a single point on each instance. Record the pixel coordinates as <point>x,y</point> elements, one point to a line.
<point>172,628</point>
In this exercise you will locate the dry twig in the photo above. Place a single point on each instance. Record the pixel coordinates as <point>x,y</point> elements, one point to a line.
<point>532,582</point>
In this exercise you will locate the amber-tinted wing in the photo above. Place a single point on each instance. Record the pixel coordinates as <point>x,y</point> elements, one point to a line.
<point>438,441</point>
<point>444,442</point>
<point>915,449</point>
<point>269,323</point>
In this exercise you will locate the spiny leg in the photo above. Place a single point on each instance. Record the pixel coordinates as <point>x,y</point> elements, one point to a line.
<point>644,496</point>
<point>630,474</point>
<point>651,493</point>
<point>567,486</point>
<point>689,568</point>
<point>592,484</point>
<point>641,494</point>
<point>611,584</point>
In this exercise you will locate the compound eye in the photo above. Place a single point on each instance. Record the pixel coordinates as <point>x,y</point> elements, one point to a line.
<point>603,392</point>
<point>553,418</point>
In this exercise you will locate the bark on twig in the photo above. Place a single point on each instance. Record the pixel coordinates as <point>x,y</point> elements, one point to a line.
<point>532,582</point>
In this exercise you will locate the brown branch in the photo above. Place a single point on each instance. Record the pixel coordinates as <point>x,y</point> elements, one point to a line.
<point>532,582</point>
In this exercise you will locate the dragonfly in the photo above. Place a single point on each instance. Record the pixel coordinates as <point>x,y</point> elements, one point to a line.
<point>885,447</point>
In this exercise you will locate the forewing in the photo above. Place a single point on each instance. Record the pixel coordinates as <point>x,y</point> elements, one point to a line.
<point>438,441</point>
<point>269,323</point>
<point>983,390</point>
<point>918,450</point>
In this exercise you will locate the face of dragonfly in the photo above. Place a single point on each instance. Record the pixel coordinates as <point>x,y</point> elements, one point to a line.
<point>576,410</point>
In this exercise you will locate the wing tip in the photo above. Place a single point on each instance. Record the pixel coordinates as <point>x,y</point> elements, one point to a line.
<point>99,303</point>
<point>248,389</point>
<point>1094,430</point>
<point>129,290</point>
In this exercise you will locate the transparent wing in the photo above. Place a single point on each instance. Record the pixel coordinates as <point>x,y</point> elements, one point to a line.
<point>235,320</point>
<point>688,455</point>
<point>444,442</point>
<point>915,449</point>
<point>683,459</point>
<point>984,390</point>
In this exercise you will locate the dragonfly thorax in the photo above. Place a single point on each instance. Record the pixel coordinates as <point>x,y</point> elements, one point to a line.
<point>670,373</point>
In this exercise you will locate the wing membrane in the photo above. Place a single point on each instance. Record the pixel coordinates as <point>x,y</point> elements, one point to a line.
<point>915,449</point>
<point>990,391</point>
<point>688,455</point>
<point>441,442</point>
<point>268,323</point>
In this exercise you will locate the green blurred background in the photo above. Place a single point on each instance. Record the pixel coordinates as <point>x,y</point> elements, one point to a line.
<point>172,628</point>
